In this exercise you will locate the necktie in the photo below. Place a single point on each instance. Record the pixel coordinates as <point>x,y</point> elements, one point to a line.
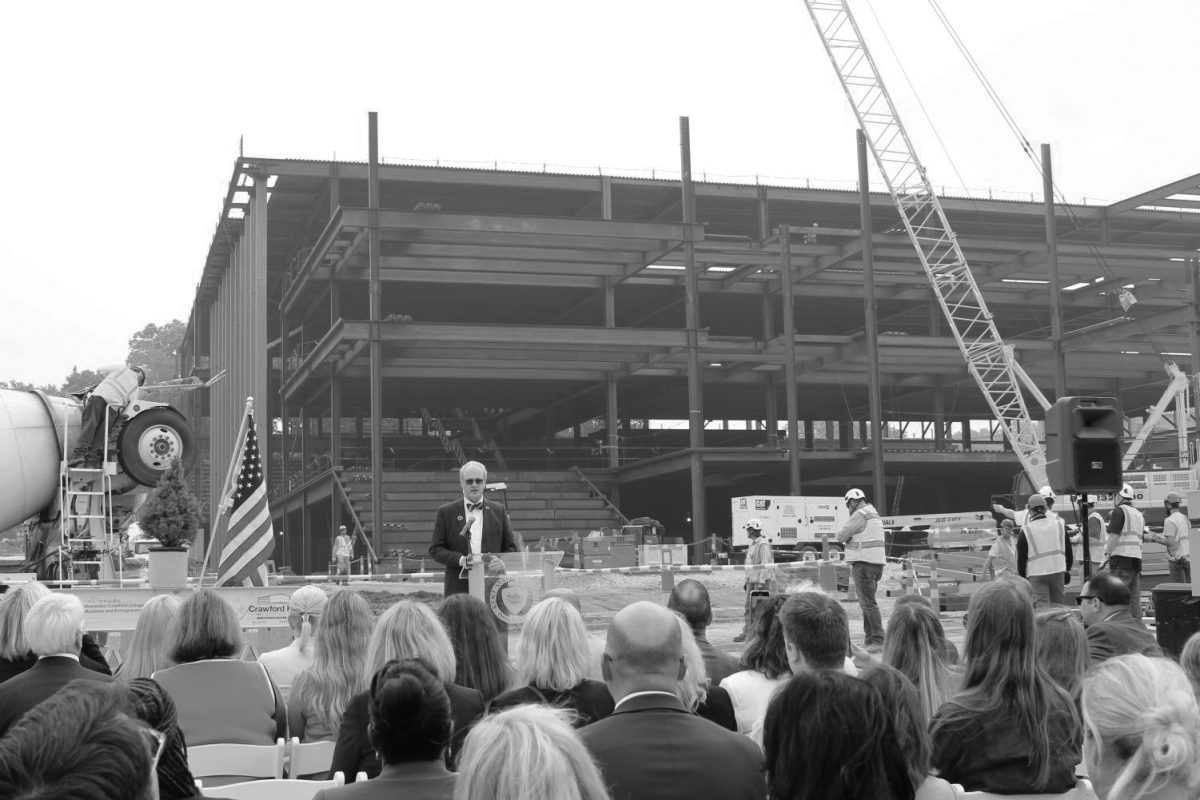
<point>475,506</point>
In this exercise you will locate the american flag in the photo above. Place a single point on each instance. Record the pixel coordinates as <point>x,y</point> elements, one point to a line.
<point>249,538</point>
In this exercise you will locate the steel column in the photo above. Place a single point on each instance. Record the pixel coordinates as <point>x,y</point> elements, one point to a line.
<point>871,326</point>
<point>1056,321</point>
<point>772,401</point>
<point>692,315</point>
<point>376,301</point>
<point>787,316</point>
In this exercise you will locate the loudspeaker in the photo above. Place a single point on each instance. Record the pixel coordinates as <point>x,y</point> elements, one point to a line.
<point>1083,445</point>
<point>1177,616</point>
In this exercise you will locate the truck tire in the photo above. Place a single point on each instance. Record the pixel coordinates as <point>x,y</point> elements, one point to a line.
<point>809,553</point>
<point>150,441</point>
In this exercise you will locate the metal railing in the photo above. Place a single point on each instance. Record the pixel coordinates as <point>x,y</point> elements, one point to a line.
<point>596,490</point>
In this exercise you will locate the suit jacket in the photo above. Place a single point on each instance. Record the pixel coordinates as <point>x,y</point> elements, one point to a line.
<point>718,708</point>
<point>589,701</point>
<point>353,752</point>
<point>415,780</point>
<point>1118,635</point>
<point>450,543</point>
<point>47,676</point>
<point>650,747</point>
<point>717,663</point>
<point>90,656</point>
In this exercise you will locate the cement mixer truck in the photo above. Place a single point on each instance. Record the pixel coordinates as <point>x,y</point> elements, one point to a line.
<point>80,513</point>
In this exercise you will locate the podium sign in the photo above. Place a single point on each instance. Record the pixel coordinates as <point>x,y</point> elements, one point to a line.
<point>511,593</point>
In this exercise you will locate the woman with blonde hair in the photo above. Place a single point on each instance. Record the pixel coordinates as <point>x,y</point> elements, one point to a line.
<point>304,612</point>
<point>407,630</point>
<point>553,663</point>
<point>1010,729</point>
<point>338,672</point>
<point>15,655</point>
<point>1189,659</point>
<point>1062,648</point>
<point>148,647</point>
<point>529,752</point>
<point>1141,730</point>
<point>915,644</point>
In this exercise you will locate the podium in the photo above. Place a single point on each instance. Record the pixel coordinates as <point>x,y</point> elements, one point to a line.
<point>510,594</point>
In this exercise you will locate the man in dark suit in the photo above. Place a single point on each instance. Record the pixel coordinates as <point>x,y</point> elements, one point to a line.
<point>650,746</point>
<point>54,632</point>
<point>690,599</point>
<point>1111,629</point>
<point>468,528</point>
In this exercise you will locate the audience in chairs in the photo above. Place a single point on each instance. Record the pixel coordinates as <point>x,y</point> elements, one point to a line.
<point>480,662</point>
<point>147,652</point>
<point>304,613</point>
<point>320,693</point>
<point>915,644</point>
<point>53,630</point>
<point>217,697</point>
<point>407,630</point>
<point>410,730</point>
<point>80,744</point>
<point>15,654</point>
<point>552,665</point>
<point>693,688</point>
<point>1010,729</point>
<point>1062,648</point>
<point>1141,730</point>
<point>828,736</point>
<point>528,752</point>
<point>149,703</point>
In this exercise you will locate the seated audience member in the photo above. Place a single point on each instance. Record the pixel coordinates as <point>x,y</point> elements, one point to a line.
<point>695,691</point>
<point>150,703</point>
<point>338,672</point>
<point>147,652</point>
<point>15,654</point>
<point>1141,730</point>
<point>911,728</point>
<point>1111,630</point>
<point>690,598</point>
<point>1062,648</point>
<point>410,730</point>
<point>650,747</point>
<point>828,736</point>
<point>764,667</point>
<point>407,630</point>
<point>915,644</point>
<point>304,614</point>
<point>79,744</point>
<point>951,652</point>
<point>595,643</point>
<point>1010,729</point>
<point>217,697</point>
<point>552,665</point>
<point>54,632</point>
<point>479,658</point>
<point>527,753</point>
<point>1189,659</point>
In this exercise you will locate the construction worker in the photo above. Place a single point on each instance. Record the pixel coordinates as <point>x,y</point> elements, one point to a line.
<point>118,389</point>
<point>1176,528</point>
<point>1019,516</point>
<point>1043,556</point>
<point>759,569</point>
<point>863,545</point>
<point>1002,557</point>
<point>1126,527</point>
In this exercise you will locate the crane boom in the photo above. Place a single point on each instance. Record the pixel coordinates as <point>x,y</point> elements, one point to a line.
<point>989,362</point>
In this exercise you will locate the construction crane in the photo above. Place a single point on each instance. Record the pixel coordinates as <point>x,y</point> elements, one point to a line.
<point>989,361</point>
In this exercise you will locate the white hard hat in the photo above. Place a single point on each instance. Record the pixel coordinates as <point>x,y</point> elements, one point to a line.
<point>754,523</point>
<point>1046,491</point>
<point>1127,492</point>
<point>855,494</point>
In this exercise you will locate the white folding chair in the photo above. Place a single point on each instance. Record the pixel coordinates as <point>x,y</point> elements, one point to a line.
<point>238,761</point>
<point>1082,791</point>
<point>274,789</point>
<point>309,758</point>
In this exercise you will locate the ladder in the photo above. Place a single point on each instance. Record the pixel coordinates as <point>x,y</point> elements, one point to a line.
<point>989,362</point>
<point>86,516</point>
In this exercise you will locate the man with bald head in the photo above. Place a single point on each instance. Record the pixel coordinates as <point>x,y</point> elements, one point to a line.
<point>690,600</point>
<point>651,746</point>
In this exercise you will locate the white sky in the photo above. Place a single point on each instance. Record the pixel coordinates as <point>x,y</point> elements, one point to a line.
<point>121,120</point>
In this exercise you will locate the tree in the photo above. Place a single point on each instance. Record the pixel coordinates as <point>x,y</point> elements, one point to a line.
<point>171,513</point>
<point>78,381</point>
<point>22,386</point>
<point>156,347</point>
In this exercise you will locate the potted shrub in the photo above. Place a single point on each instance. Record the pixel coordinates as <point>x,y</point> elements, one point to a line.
<point>172,516</point>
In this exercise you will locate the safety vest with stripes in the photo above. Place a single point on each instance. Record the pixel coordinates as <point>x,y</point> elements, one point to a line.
<point>1046,548</point>
<point>1129,540</point>
<point>118,386</point>
<point>1175,530</point>
<point>867,545</point>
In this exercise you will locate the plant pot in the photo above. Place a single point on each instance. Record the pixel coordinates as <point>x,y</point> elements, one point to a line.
<point>168,567</point>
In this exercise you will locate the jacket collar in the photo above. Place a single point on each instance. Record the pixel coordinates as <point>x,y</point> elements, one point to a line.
<point>645,701</point>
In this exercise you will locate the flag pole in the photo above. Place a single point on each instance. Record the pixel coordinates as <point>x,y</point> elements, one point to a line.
<point>227,489</point>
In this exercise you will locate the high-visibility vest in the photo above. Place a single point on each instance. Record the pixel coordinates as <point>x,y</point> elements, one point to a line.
<point>1046,551</point>
<point>1175,530</point>
<point>1129,540</point>
<point>118,386</point>
<point>867,545</point>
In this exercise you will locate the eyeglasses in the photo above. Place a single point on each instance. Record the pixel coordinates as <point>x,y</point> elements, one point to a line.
<point>474,480</point>
<point>156,741</point>
<point>1079,600</point>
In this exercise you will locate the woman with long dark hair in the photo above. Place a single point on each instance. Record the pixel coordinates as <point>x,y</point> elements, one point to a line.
<point>479,658</point>
<point>915,644</point>
<point>911,727</point>
<point>764,667</point>
<point>1010,729</point>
